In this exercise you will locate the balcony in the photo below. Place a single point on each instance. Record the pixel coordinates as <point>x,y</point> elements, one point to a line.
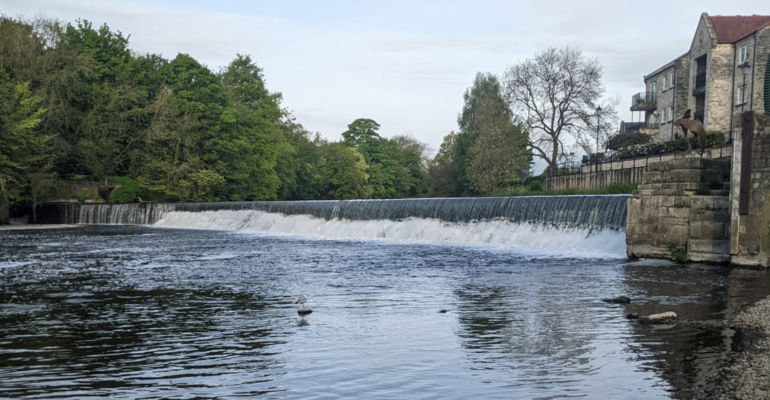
<point>700,84</point>
<point>644,101</point>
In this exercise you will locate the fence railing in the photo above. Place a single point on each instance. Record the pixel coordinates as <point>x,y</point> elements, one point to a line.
<point>644,98</point>
<point>606,161</point>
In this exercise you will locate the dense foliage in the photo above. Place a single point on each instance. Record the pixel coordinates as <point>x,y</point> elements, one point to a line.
<point>77,104</point>
<point>713,139</point>
<point>489,152</point>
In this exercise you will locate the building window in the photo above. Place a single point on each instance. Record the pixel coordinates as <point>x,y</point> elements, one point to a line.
<point>744,54</point>
<point>654,87</point>
<point>665,117</point>
<point>671,114</point>
<point>739,96</point>
<point>671,80</point>
<point>665,83</point>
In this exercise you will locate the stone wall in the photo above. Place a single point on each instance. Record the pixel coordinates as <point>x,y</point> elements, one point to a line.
<point>719,94</point>
<point>750,233</point>
<point>682,92</point>
<point>593,180</point>
<point>667,212</point>
<point>759,61</point>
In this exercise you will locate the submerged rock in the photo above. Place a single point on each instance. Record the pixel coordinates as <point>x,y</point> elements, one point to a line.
<point>618,300</point>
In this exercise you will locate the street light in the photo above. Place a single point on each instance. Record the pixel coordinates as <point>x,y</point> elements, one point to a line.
<point>598,112</point>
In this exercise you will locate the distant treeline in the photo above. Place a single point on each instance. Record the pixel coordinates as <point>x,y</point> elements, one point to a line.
<point>77,104</point>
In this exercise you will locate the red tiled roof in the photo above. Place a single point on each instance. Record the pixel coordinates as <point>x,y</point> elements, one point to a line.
<point>733,29</point>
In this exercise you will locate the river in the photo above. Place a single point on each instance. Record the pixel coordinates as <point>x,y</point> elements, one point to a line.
<point>156,312</point>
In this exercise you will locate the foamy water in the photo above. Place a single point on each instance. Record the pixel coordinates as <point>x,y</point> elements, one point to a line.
<point>528,238</point>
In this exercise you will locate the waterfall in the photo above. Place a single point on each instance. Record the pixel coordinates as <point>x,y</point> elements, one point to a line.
<point>587,212</point>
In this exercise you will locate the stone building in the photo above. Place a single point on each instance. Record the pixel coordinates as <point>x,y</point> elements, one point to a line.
<point>726,71</point>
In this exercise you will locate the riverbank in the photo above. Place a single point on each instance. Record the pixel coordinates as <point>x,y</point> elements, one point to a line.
<point>34,226</point>
<point>745,371</point>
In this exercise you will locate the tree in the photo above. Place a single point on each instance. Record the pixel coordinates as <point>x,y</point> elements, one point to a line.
<point>555,95</point>
<point>442,177</point>
<point>491,149</point>
<point>300,170</point>
<point>407,156</point>
<point>344,172</point>
<point>362,135</point>
<point>255,141</point>
<point>25,153</point>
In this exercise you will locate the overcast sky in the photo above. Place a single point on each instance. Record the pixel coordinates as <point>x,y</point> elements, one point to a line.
<point>404,64</point>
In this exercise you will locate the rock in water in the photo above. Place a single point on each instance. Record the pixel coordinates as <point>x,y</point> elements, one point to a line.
<point>618,300</point>
<point>304,311</point>
<point>442,312</point>
<point>632,316</point>
<point>661,318</point>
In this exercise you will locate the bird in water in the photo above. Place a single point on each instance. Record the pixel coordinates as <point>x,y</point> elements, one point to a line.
<point>302,310</point>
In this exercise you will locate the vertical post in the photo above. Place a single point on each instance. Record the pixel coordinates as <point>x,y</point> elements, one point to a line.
<point>747,137</point>
<point>598,122</point>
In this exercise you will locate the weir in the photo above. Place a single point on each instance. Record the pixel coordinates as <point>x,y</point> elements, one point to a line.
<point>586,212</point>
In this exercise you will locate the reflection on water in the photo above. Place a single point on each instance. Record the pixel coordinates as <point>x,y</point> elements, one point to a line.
<point>134,312</point>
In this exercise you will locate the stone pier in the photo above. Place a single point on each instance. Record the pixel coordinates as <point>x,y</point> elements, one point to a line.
<point>749,200</point>
<point>681,211</point>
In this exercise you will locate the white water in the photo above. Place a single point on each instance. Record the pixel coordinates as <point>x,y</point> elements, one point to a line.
<point>523,238</point>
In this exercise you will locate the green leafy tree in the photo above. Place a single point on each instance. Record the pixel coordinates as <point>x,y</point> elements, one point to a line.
<point>491,150</point>
<point>25,153</point>
<point>408,159</point>
<point>344,173</point>
<point>256,139</point>
<point>300,170</point>
<point>442,178</point>
<point>362,135</point>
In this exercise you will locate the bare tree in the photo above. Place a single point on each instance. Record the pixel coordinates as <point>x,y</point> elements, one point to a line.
<point>556,95</point>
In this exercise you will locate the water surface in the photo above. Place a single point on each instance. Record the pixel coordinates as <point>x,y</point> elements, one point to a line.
<point>140,312</point>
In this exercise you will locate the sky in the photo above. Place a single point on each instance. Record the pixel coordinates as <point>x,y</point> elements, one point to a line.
<point>404,64</point>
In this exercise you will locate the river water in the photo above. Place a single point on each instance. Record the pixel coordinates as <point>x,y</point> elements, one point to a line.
<point>136,312</point>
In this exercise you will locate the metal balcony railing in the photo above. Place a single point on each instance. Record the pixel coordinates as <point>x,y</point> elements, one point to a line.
<point>700,80</point>
<point>651,125</point>
<point>644,101</point>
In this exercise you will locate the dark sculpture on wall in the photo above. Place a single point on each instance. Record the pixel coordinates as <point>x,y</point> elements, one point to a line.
<point>696,127</point>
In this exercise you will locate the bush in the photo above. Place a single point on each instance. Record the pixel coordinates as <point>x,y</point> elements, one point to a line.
<point>713,139</point>
<point>127,192</point>
<point>535,186</point>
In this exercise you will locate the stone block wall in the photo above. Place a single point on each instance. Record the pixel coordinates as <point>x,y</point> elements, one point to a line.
<point>719,85</point>
<point>760,61</point>
<point>666,212</point>
<point>750,234</point>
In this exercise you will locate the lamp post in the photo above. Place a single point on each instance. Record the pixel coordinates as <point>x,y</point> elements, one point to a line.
<point>598,112</point>
<point>744,70</point>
